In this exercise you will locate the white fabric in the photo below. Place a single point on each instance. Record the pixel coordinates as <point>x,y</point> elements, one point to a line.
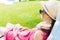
<point>44,24</point>
<point>2,38</point>
<point>1,31</point>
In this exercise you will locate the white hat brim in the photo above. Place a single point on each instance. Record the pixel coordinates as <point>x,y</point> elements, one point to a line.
<point>46,9</point>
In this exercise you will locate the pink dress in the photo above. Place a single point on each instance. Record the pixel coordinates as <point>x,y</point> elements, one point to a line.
<point>25,34</point>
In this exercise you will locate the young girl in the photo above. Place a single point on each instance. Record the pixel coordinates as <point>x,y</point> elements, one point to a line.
<point>49,12</point>
<point>40,32</point>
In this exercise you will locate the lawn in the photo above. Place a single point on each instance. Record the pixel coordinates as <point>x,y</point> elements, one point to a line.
<point>24,13</point>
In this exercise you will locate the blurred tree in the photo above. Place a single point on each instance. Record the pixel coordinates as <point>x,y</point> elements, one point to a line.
<point>58,0</point>
<point>37,0</point>
<point>23,0</point>
<point>31,0</point>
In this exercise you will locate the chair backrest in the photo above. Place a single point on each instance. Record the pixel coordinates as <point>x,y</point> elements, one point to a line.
<point>55,33</point>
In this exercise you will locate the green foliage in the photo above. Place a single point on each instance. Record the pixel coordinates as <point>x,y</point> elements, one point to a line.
<point>31,0</point>
<point>58,0</point>
<point>37,0</point>
<point>24,13</point>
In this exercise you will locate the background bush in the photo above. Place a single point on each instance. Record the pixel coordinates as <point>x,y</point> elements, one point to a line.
<point>24,13</point>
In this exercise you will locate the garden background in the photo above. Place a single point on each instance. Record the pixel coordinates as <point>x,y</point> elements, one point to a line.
<point>23,13</point>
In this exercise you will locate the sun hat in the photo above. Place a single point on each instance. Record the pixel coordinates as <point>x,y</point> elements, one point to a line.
<point>51,8</point>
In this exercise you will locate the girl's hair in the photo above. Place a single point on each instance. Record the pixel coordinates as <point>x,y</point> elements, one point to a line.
<point>52,24</point>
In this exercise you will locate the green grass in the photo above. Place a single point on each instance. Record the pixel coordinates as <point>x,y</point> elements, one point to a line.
<point>24,13</point>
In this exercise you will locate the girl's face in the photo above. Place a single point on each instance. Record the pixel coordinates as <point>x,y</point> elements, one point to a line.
<point>45,16</point>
